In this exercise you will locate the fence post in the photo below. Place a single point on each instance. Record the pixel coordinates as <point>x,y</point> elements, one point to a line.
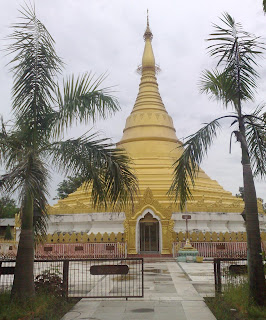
<point>173,245</point>
<point>217,275</point>
<point>219,283</point>
<point>65,277</point>
<point>142,277</point>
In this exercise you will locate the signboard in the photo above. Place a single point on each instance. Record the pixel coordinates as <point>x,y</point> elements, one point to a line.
<point>110,248</point>
<point>186,216</point>
<point>48,248</point>
<point>78,248</point>
<point>109,269</point>
<point>220,246</point>
<point>7,270</point>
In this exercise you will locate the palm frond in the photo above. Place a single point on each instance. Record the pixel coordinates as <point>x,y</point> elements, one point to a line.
<point>218,85</point>
<point>236,51</point>
<point>40,217</point>
<point>84,100</point>
<point>256,140</point>
<point>29,177</point>
<point>222,86</point>
<point>186,168</point>
<point>34,66</point>
<point>103,168</point>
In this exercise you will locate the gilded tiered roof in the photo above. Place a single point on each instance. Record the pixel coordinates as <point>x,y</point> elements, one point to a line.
<point>150,140</point>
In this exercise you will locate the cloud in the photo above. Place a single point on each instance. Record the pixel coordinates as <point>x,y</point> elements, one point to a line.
<point>107,36</point>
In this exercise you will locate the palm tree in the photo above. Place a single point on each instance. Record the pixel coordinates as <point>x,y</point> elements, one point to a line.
<point>33,143</point>
<point>233,82</point>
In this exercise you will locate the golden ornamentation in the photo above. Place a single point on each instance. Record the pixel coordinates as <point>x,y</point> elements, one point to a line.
<point>148,201</point>
<point>126,230</point>
<point>163,213</point>
<point>83,237</point>
<point>214,237</point>
<point>17,221</point>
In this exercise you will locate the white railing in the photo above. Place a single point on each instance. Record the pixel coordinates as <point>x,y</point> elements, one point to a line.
<point>81,250</point>
<point>215,249</point>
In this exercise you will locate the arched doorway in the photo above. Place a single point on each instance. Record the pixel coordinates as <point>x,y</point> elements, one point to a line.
<point>149,234</point>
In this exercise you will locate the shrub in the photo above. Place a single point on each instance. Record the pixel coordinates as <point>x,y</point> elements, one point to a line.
<point>8,234</point>
<point>50,282</point>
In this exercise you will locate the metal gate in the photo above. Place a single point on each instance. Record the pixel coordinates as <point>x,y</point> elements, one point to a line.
<point>85,278</point>
<point>105,278</point>
<point>228,271</point>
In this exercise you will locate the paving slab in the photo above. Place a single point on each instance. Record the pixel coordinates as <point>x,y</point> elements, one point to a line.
<point>201,276</point>
<point>169,294</point>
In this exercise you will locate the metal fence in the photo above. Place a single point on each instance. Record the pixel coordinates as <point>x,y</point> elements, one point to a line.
<point>110,278</point>
<point>215,249</point>
<point>43,268</point>
<point>228,271</point>
<point>81,251</point>
<point>90,278</point>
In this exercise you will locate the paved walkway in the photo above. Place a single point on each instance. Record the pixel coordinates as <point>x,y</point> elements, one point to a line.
<point>202,277</point>
<point>168,294</point>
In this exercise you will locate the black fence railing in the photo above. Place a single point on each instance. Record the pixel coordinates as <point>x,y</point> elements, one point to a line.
<point>228,271</point>
<point>91,278</point>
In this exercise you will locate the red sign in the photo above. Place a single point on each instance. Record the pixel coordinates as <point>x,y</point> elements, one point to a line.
<point>48,249</point>
<point>78,248</point>
<point>109,269</point>
<point>186,216</point>
<point>110,248</point>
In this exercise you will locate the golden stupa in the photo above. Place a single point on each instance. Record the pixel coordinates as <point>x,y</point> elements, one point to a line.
<point>150,140</point>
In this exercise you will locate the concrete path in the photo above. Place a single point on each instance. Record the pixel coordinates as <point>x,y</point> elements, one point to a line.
<point>202,277</point>
<point>168,294</point>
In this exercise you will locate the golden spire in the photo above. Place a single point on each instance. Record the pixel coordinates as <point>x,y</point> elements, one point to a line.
<point>149,121</point>
<point>148,34</point>
<point>148,60</point>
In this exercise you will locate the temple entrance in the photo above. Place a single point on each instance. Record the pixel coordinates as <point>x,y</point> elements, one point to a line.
<point>149,234</point>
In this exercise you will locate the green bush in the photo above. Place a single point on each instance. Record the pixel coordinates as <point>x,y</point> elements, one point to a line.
<point>234,304</point>
<point>43,307</point>
<point>50,282</point>
<point>8,234</point>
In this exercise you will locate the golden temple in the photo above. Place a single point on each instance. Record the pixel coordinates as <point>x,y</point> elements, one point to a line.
<point>150,140</point>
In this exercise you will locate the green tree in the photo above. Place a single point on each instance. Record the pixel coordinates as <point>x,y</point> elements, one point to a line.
<point>233,82</point>
<point>8,235</point>
<point>67,186</point>
<point>241,193</point>
<point>43,111</point>
<point>8,207</point>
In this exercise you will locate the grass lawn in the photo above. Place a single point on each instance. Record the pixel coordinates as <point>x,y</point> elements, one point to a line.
<point>233,305</point>
<point>43,307</point>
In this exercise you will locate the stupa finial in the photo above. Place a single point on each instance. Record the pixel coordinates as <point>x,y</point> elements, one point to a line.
<point>148,34</point>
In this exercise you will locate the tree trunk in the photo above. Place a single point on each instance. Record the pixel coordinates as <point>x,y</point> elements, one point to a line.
<point>23,285</point>
<point>255,265</point>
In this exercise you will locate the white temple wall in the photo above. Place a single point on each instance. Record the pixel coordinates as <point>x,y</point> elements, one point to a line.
<point>214,221</point>
<point>87,222</point>
<point>114,222</point>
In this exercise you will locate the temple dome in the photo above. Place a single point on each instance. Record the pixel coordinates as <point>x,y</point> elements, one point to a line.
<point>149,138</point>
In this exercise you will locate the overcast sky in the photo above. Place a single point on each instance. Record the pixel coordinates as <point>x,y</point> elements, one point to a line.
<point>107,36</point>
